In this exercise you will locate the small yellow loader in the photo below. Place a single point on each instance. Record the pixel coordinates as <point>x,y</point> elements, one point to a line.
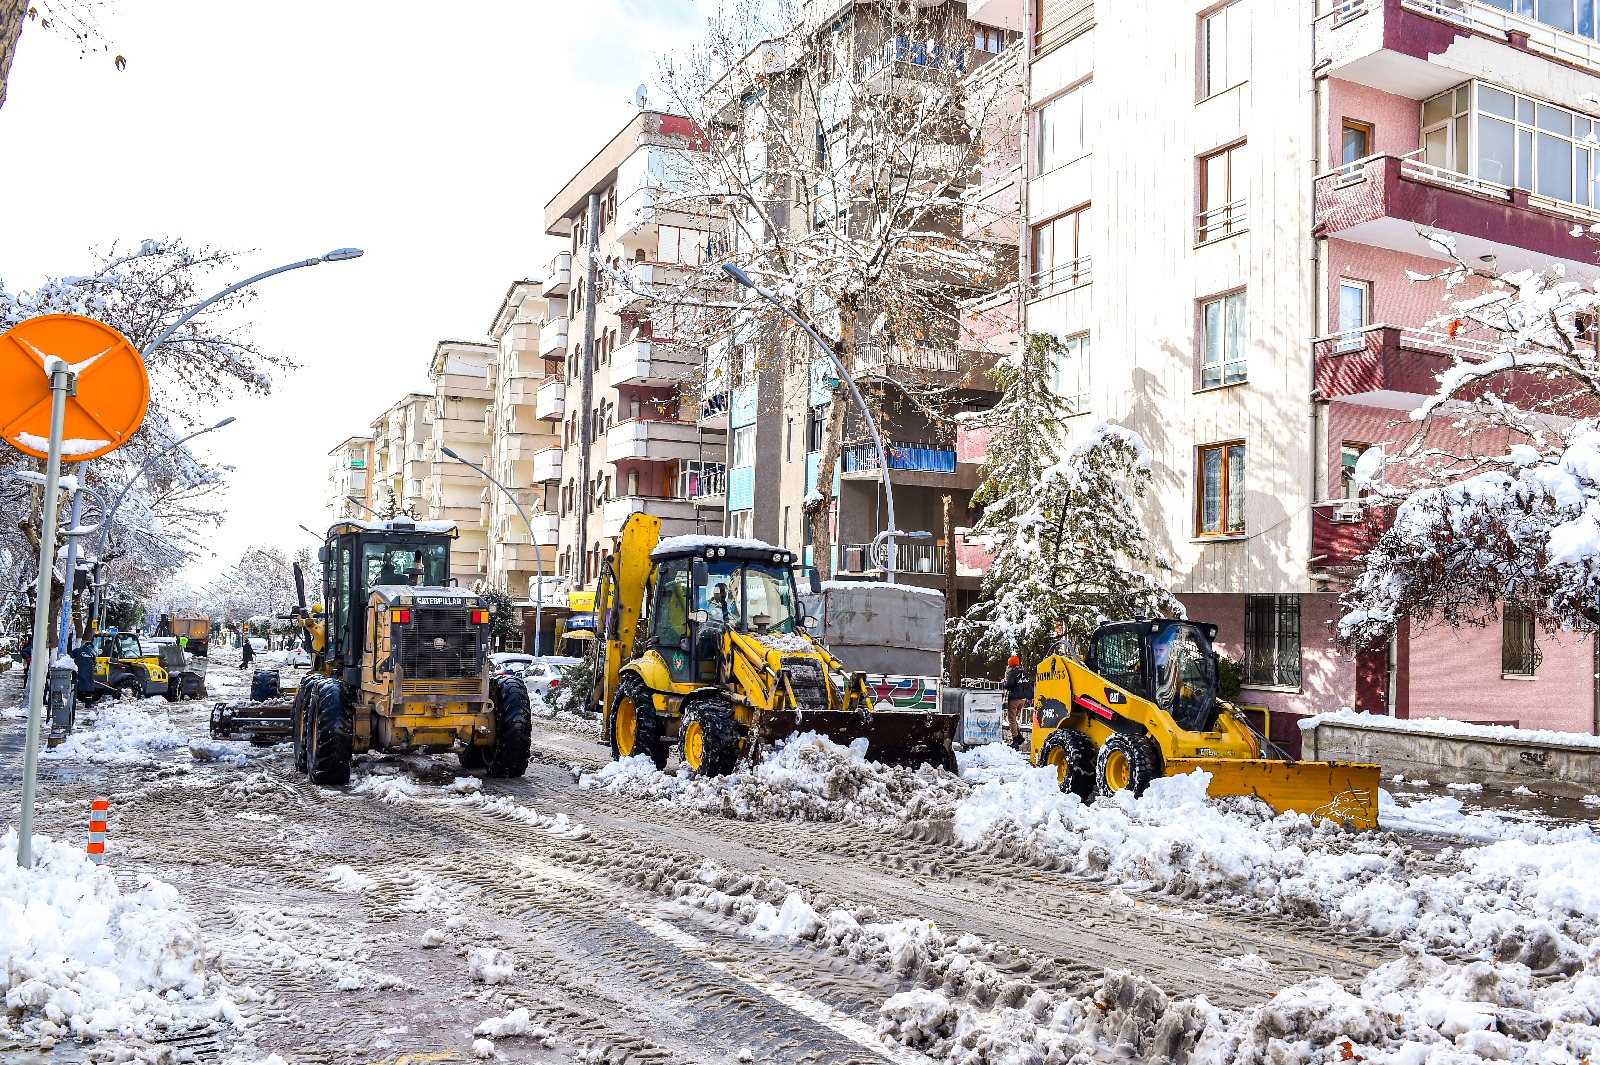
<point>1142,703</point>
<point>702,644</point>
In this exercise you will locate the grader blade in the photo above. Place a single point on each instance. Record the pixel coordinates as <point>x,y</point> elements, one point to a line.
<point>1338,791</point>
<point>907,738</point>
<point>261,723</point>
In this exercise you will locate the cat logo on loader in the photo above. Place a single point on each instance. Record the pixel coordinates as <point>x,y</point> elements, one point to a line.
<point>1142,703</point>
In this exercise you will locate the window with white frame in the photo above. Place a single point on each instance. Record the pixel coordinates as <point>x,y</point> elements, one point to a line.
<point>1224,48</point>
<point>1060,129</point>
<point>741,524</point>
<point>1222,340</point>
<point>1069,373</point>
<point>416,487</point>
<point>1060,252</point>
<point>1509,139</point>
<point>743,452</point>
<point>1355,300</point>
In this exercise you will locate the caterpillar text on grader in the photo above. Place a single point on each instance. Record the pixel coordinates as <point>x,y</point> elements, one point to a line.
<point>400,662</point>
<point>1142,703</point>
<point>703,646</point>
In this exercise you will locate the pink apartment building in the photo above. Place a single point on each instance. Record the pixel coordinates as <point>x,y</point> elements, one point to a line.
<point>1221,202</point>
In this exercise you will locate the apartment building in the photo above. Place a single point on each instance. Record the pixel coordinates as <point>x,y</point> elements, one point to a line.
<point>459,371</point>
<point>401,437</point>
<point>1221,214</point>
<point>522,422</point>
<point>628,441</point>
<point>350,478</point>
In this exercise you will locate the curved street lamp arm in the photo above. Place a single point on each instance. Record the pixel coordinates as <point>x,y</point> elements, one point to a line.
<point>538,599</point>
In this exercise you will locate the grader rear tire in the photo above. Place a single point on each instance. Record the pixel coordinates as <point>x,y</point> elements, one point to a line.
<point>1127,762</point>
<point>710,738</point>
<point>332,735</point>
<point>1072,754</point>
<point>513,728</point>
<point>635,728</point>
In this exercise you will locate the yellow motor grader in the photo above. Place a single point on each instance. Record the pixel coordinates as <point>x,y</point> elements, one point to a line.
<point>1142,703</point>
<point>703,645</point>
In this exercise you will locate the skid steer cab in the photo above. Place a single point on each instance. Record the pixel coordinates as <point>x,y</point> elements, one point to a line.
<point>704,646</point>
<point>120,663</point>
<point>1142,703</point>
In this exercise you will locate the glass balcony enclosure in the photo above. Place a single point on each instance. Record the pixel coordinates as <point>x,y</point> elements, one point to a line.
<point>1573,16</point>
<point>1502,137</point>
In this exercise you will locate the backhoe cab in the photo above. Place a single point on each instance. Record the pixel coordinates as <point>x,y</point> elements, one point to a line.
<point>704,646</point>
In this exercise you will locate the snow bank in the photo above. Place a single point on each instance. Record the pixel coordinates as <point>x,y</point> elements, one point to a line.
<point>81,957</point>
<point>1442,726</point>
<point>121,733</point>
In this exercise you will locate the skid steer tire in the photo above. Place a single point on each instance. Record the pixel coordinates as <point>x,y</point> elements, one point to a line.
<point>1072,754</point>
<point>635,728</point>
<point>298,719</point>
<point>1130,762</point>
<point>332,725</point>
<point>513,728</point>
<point>264,685</point>
<point>710,743</point>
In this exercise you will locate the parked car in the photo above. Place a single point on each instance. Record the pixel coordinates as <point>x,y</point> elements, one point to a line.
<point>542,673</point>
<point>300,657</point>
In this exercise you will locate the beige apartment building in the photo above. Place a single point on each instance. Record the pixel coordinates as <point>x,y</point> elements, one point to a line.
<point>401,437</point>
<point>628,442</point>
<point>461,397</point>
<point>350,479</point>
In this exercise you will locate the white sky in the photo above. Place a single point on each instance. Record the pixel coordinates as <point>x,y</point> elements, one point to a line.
<point>430,135</point>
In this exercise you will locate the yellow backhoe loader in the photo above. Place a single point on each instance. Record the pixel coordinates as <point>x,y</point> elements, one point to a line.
<point>1142,703</point>
<point>703,645</point>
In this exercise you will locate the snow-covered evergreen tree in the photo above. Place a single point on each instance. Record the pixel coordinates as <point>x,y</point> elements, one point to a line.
<point>1068,543</point>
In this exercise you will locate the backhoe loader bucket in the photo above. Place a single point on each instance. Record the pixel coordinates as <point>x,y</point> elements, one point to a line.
<point>907,738</point>
<point>262,723</point>
<point>1340,791</point>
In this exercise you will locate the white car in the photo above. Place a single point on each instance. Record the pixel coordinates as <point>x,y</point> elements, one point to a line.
<point>542,674</point>
<point>300,657</point>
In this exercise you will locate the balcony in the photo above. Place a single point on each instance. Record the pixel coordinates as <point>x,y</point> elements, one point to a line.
<point>927,360</point>
<point>993,212</point>
<point>547,465</point>
<point>520,388</point>
<point>1405,361</point>
<point>863,457</point>
<point>550,401</point>
<point>656,440</point>
<point>908,558</point>
<point>522,447</point>
<point>989,324</point>
<point>553,338</point>
<point>1061,277</point>
<point>524,558</point>
<point>677,515</point>
<point>560,280</point>
<point>707,485</point>
<point>714,411</point>
<point>645,362</point>
<point>1410,47</point>
<point>1384,200</point>
<point>523,335</point>
<point>900,56</point>
<point>1342,532</point>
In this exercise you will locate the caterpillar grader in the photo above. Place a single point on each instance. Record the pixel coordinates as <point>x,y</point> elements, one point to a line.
<point>1142,703</point>
<point>703,646</point>
<point>400,662</point>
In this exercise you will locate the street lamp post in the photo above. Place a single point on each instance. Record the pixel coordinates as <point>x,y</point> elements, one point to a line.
<point>538,556</point>
<point>891,532</point>
<point>363,506</point>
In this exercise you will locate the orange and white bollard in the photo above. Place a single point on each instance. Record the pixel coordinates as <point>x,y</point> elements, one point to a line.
<point>99,811</point>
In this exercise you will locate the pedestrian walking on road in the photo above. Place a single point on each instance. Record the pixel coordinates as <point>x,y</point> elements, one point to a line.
<point>248,653</point>
<point>1018,687</point>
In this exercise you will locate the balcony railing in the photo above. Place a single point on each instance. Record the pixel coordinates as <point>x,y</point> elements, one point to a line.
<point>1496,22</point>
<point>1412,168</point>
<point>560,275</point>
<point>1220,222</point>
<point>1344,530</point>
<point>930,458</point>
<point>1061,277</point>
<point>550,400</point>
<point>711,480</point>
<point>939,360</point>
<point>913,53</point>
<point>908,558</point>
<point>553,337</point>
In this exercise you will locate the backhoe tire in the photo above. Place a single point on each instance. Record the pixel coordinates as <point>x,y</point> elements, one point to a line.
<point>1130,762</point>
<point>300,718</point>
<point>332,722</point>
<point>635,728</point>
<point>472,757</point>
<point>710,738</point>
<point>513,728</point>
<point>264,685</point>
<point>1073,756</point>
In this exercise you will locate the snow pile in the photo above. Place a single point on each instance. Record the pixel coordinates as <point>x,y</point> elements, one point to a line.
<point>344,878</point>
<point>396,790</point>
<point>80,957</point>
<point>808,777</point>
<point>1440,726</point>
<point>121,733</point>
<point>489,965</point>
<point>516,1023</point>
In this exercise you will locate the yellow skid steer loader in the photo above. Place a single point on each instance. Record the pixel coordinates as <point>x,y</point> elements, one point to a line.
<point>703,645</point>
<point>1142,703</point>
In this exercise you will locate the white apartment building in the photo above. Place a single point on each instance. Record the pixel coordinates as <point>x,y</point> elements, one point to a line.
<point>402,437</point>
<point>350,479</point>
<point>461,395</point>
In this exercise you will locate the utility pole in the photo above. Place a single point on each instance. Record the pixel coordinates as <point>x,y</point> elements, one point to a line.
<point>591,281</point>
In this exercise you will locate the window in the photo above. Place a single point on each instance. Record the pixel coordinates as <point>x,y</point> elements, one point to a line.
<point>1224,49</point>
<point>988,39</point>
<point>1354,298</point>
<point>416,486</point>
<point>1222,340</point>
<point>1349,457</point>
<point>1222,199</point>
<point>741,523</point>
<point>785,542</point>
<point>1356,141</point>
<point>1572,17</point>
<point>1060,253</point>
<point>814,418</point>
<point>1519,651</point>
<point>1512,140</point>
<point>1272,641</point>
<point>788,440</point>
<point>1060,133</point>
<point>744,447</point>
<point>1069,375</point>
<point>1221,503</point>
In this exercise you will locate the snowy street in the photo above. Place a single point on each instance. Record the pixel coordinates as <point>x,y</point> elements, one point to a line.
<point>818,908</point>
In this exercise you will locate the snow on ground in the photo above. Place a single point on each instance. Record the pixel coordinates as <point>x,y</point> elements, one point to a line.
<point>82,958</point>
<point>120,732</point>
<point>467,792</point>
<point>1442,726</point>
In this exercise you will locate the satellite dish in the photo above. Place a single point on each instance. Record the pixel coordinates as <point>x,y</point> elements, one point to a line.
<point>641,97</point>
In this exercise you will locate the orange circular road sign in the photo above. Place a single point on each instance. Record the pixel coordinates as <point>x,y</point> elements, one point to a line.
<point>113,387</point>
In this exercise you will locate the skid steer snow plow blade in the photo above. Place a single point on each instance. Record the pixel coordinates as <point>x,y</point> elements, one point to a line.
<point>1340,791</point>
<point>907,738</point>
<point>261,723</point>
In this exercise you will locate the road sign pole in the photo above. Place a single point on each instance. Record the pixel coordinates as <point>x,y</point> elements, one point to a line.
<point>39,672</point>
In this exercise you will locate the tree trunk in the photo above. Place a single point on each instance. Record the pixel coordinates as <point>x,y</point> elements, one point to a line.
<point>13,13</point>
<point>832,444</point>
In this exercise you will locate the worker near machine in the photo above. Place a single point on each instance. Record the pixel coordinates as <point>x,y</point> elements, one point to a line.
<point>1018,687</point>
<point>248,653</point>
